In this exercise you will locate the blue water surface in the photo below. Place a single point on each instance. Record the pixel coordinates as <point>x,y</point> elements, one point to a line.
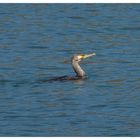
<point>37,42</point>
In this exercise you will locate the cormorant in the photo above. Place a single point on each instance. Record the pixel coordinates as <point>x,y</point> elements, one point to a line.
<point>80,74</point>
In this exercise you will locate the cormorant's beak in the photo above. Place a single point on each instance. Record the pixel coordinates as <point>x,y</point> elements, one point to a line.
<point>87,55</point>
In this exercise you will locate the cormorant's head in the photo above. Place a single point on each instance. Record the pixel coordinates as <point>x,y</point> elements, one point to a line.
<point>79,57</point>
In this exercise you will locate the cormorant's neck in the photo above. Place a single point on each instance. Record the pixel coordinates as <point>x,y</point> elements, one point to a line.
<point>78,70</point>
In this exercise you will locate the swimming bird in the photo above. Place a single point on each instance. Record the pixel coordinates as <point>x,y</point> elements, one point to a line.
<point>80,73</point>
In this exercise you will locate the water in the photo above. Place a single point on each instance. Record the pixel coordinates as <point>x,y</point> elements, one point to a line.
<point>37,42</point>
